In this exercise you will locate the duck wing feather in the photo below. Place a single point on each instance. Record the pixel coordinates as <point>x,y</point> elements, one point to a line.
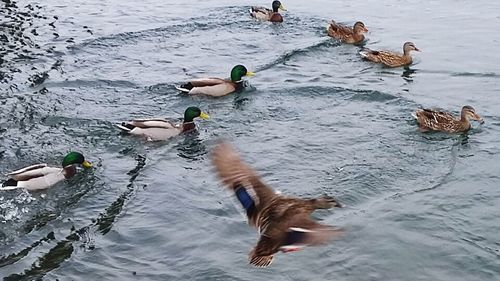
<point>33,171</point>
<point>261,13</point>
<point>288,235</point>
<point>253,194</point>
<point>339,31</point>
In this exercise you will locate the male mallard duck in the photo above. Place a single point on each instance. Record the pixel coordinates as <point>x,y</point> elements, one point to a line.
<point>283,222</point>
<point>429,119</point>
<point>161,129</point>
<point>346,34</point>
<point>266,14</point>
<point>388,58</point>
<point>217,87</point>
<point>41,176</point>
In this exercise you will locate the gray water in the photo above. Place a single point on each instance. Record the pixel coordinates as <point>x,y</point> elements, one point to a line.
<point>315,120</point>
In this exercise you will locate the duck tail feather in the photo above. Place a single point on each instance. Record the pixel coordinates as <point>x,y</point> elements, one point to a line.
<point>125,127</point>
<point>185,88</point>
<point>364,53</point>
<point>9,184</point>
<point>328,25</point>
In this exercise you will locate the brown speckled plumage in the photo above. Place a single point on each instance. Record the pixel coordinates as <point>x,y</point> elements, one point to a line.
<point>391,59</point>
<point>277,217</point>
<point>435,120</point>
<point>346,34</point>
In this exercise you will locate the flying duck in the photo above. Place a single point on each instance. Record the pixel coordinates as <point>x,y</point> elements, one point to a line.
<point>284,222</point>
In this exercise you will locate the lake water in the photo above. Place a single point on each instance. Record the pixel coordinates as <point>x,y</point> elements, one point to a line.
<point>316,119</point>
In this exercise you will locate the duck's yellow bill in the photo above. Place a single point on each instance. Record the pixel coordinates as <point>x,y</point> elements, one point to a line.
<point>281,7</point>
<point>86,164</point>
<point>249,73</point>
<point>204,116</point>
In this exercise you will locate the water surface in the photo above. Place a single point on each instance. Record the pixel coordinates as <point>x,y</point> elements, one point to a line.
<point>316,120</point>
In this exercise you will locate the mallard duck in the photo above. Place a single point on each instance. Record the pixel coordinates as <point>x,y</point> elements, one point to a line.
<point>41,176</point>
<point>217,87</point>
<point>266,14</point>
<point>284,223</point>
<point>388,58</point>
<point>346,34</point>
<point>429,119</point>
<point>162,129</point>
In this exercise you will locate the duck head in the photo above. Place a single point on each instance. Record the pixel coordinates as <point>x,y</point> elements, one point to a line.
<point>277,5</point>
<point>75,158</point>
<point>194,112</point>
<point>238,72</point>
<point>359,28</point>
<point>409,46</point>
<point>468,112</point>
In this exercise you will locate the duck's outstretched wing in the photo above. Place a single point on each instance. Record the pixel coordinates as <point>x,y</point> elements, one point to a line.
<point>263,253</point>
<point>290,236</point>
<point>252,193</point>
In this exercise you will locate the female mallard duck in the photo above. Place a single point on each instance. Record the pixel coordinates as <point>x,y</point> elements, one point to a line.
<point>346,34</point>
<point>429,119</point>
<point>283,222</point>
<point>217,87</point>
<point>391,59</point>
<point>41,176</point>
<point>161,129</point>
<point>266,14</point>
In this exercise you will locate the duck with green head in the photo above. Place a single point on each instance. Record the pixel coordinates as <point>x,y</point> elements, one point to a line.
<point>162,129</point>
<point>42,176</point>
<point>266,14</point>
<point>217,87</point>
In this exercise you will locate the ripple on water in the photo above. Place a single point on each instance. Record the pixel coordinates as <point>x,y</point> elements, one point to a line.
<point>317,120</point>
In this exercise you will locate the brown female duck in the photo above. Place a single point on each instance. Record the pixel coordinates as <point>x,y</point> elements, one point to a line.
<point>389,58</point>
<point>266,14</point>
<point>283,222</point>
<point>429,119</point>
<point>346,34</point>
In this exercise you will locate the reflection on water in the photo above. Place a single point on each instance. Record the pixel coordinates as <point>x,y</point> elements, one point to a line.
<point>191,147</point>
<point>408,73</point>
